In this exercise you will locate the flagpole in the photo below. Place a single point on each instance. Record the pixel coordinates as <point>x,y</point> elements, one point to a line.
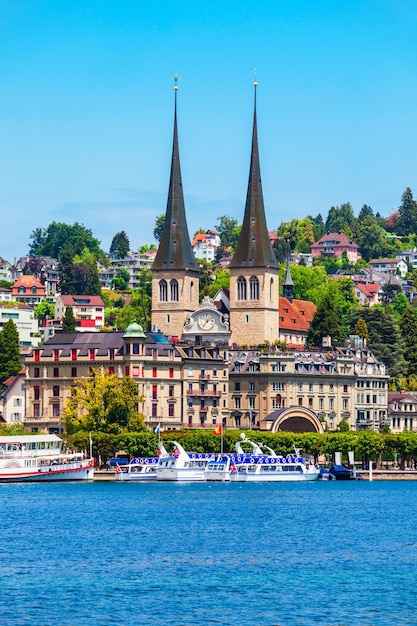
<point>221,439</point>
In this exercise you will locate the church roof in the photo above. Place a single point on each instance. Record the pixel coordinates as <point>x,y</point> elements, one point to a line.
<point>175,251</point>
<point>296,315</point>
<point>254,247</point>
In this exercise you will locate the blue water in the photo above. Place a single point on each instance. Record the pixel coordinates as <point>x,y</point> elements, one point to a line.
<point>104,553</point>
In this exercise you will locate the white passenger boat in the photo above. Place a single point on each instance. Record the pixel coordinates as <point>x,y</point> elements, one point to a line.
<point>40,458</point>
<point>182,466</point>
<point>218,469</point>
<point>272,467</point>
<point>257,466</point>
<point>141,469</point>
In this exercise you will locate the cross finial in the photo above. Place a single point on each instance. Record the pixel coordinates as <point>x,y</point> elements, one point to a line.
<point>255,83</point>
<point>176,78</point>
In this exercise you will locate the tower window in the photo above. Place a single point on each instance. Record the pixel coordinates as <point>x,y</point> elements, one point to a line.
<point>174,290</point>
<point>253,288</point>
<point>241,288</point>
<point>163,291</point>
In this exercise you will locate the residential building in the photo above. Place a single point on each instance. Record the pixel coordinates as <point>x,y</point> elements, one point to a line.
<point>205,245</point>
<point>5,270</point>
<point>26,323</point>
<point>13,399</point>
<point>28,289</point>
<point>335,245</point>
<point>43,268</point>
<point>88,311</point>
<point>397,266</point>
<point>6,295</point>
<point>402,411</point>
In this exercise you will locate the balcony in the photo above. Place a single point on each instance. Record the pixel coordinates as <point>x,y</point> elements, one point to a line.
<point>206,393</point>
<point>204,376</point>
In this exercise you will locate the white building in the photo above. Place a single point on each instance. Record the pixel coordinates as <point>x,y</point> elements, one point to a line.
<point>13,399</point>
<point>205,245</point>
<point>26,323</point>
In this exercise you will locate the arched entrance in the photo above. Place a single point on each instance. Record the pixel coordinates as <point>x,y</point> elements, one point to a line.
<point>294,419</point>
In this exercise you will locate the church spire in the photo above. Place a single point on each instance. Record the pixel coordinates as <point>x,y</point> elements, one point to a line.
<point>175,251</point>
<point>254,247</point>
<point>288,285</point>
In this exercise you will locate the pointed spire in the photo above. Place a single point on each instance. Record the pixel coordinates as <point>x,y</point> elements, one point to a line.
<point>288,285</point>
<point>254,247</point>
<point>175,251</point>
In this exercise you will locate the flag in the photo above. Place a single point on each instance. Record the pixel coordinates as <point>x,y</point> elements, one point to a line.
<point>232,468</point>
<point>118,470</point>
<point>218,430</point>
<point>157,429</point>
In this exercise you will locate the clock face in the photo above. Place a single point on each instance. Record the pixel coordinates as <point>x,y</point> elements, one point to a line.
<point>206,321</point>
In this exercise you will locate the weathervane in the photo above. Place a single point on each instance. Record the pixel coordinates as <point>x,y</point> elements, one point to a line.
<point>176,78</point>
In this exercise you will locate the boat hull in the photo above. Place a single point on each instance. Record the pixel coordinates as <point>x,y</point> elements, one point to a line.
<point>180,475</point>
<point>47,474</point>
<point>279,477</point>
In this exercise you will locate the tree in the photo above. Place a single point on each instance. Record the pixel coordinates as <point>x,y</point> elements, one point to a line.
<point>371,239</point>
<point>121,280</point>
<point>401,303</point>
<point>103,403</point>
<point>44,310</point>
<point>390,292</point>
<point>406,222</point>
<point>341,219</point>
<point>361,329</point>
<point>325,322</point>
<point>85,273</point>
<point>51,240</point>
<point>229,230</point>
<point>69,323</point>
<point>408,327</point>
<point>159,227</point>
<point>298,233</point>
<point>310,283</point>
<point>120,245</point>
<point>384,336</point>
<point>10,363</point>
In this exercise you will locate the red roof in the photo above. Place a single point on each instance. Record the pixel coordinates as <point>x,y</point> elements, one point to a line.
<point>296,315</point>
<point>85,300</point>
<point>28,282</point>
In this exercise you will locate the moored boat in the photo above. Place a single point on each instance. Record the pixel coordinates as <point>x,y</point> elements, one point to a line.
<point>182,465</point>
<point>257,466</point>
<point>41,458</point>
<point>141,469</point>
<point>218,469</point>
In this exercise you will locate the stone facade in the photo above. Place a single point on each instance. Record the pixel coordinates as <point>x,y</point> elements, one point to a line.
<point>254,316</point>
<point>174,298</point>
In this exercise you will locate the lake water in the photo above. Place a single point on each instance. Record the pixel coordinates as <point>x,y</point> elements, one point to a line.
<point>108,553</point>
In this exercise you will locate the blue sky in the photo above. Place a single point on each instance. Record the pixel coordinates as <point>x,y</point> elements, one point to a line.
<point>86,110</point>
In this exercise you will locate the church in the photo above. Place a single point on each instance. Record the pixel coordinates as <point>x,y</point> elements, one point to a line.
<point>216,362</point>
<point>253,314</point>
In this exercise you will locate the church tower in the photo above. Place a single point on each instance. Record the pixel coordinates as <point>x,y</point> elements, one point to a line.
<point>254,270</point>
<point>175,287</point>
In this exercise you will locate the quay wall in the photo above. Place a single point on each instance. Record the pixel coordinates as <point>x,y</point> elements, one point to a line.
<point>376,474</point>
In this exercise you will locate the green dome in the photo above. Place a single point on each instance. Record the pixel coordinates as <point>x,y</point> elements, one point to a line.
<point>134,330</point>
